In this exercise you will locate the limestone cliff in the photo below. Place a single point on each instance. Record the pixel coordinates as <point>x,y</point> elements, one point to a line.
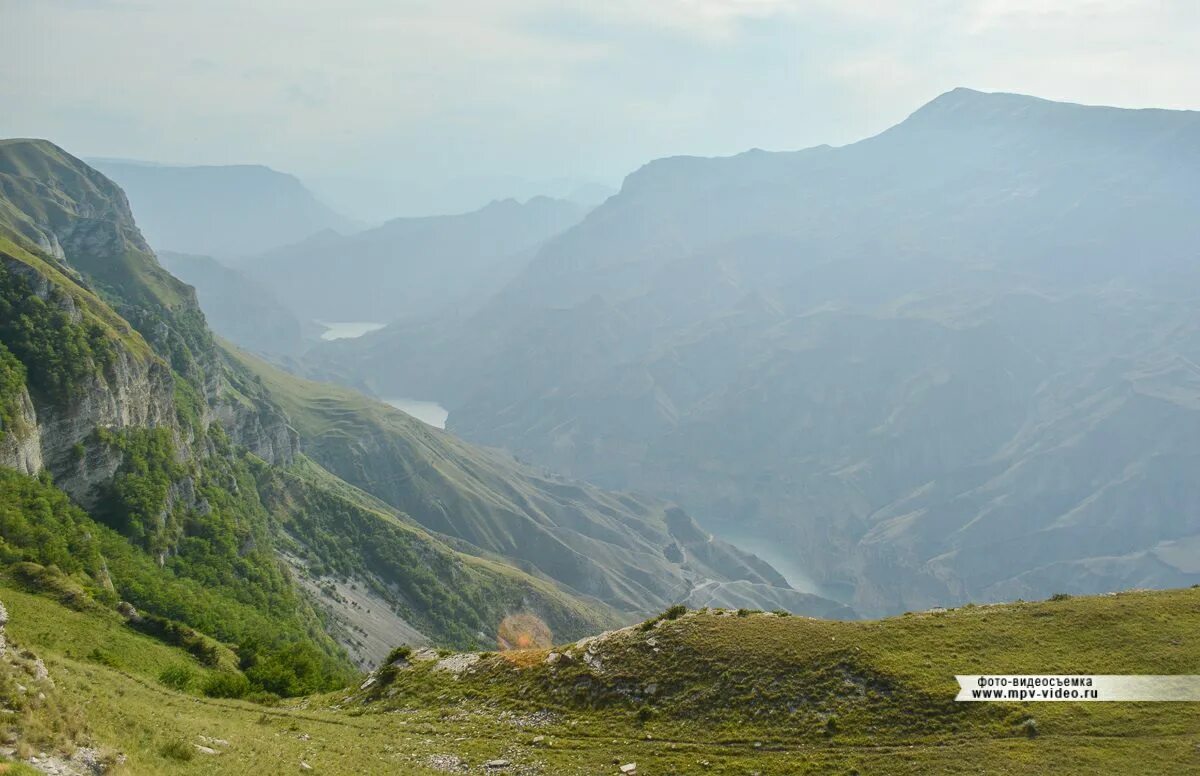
<point>70,242</point>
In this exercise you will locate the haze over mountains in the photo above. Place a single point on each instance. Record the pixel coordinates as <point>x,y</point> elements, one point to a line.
<point>222,211</point>
<point>240,308</point>
<point>375,201</point>
<point>955,361</point>
<point>411,267</point>
<point>528,388</point>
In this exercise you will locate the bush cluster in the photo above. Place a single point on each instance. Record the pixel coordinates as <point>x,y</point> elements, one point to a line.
<point>58,353</point>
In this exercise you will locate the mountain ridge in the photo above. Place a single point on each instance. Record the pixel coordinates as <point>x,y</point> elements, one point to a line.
<point>857,352</point>
<point>220,210</point>
<point>409,266</point>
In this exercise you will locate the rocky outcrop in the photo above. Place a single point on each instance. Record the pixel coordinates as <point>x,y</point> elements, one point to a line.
<point>135,391</point>
<point>133,395</point>
<point>21,444</point>
<point>261,430</point>
<point>91,241</point>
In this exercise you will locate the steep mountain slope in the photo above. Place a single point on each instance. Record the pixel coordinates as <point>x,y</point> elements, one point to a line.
<point>136,423</point>
<point>409,267</point>
<point>956,361</point>
<point>191,477</point>
<point>223,211</point>
<point>241,309</point>
<point>635,554</point>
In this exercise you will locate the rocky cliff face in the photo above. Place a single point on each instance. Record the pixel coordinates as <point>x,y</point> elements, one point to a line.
<point>134,391</point>
<point>133,396</point>
<point>262,430</point>
<point>21,445</point>
<point>165,373</point>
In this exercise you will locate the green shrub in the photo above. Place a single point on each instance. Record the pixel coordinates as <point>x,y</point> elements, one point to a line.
<point>12,382</point>
<point>59,354</point>
<point>43,527</point>
<point>176,749</point>
<point>103,657</point>
<point>674,612</point>
<point>52,581</point>
<point>386,676</point>
<point>137,498</point>
<point>177,677</point>
<point>402,652</point>
<point>177,634</point>
<point>296,669</point>
<point>225,684</point>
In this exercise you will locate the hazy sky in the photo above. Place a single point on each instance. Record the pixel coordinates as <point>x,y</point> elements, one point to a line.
<point>420,91</point>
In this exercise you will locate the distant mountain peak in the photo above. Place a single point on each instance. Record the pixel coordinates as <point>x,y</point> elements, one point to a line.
<point>1027,122</point>
<point>221,210</point>
<point>963,99</point>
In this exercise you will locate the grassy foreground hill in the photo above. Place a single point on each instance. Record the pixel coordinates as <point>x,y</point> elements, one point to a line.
<point>721,692</point>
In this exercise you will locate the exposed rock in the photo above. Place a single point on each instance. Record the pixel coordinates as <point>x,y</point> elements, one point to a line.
<point>448,763</point>
<point>21,445</point>
<point>362,620</point>
<point>263,432</point>
<point>85,761</point>
<point>128,611</point>
<point>456,664</point>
